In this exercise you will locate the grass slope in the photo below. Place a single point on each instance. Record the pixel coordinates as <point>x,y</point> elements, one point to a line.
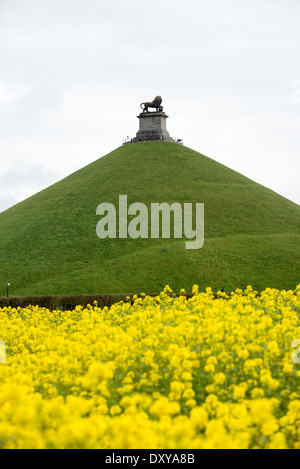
<point>48,243</point>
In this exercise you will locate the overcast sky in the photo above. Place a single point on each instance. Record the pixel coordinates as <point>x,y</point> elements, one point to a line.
<point>74,72</point>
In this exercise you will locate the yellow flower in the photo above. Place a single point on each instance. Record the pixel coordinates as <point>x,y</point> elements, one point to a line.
<point>239,391</point>
<point>288,368</point>
<point>153,372</point>
<point>220,378</point>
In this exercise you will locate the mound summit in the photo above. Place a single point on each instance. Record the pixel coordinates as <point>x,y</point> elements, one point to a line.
<point>48,243</point>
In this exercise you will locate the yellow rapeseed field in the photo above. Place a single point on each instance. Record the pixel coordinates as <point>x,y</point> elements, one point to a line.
<point>162,372</point>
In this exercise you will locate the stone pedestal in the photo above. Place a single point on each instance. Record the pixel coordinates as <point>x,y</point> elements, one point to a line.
<point>152,127</point>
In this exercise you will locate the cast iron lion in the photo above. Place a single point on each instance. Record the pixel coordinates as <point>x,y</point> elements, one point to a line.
<point>156,103</point>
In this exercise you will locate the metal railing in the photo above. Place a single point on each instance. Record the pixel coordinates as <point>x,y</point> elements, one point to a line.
<point>127,140</point>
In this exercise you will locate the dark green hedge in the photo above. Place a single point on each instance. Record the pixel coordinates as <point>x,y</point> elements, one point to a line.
<point>68,302</point>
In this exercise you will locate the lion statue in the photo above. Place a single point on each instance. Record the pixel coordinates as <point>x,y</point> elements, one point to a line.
<point>156,103</point>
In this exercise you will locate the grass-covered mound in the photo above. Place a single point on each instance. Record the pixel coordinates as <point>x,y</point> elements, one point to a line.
<point>48,243</point>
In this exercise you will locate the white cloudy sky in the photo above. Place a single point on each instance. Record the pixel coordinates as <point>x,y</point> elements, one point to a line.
<point>73,73</point>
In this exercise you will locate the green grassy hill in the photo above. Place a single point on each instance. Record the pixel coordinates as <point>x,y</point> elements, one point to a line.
<point>48,243</point>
